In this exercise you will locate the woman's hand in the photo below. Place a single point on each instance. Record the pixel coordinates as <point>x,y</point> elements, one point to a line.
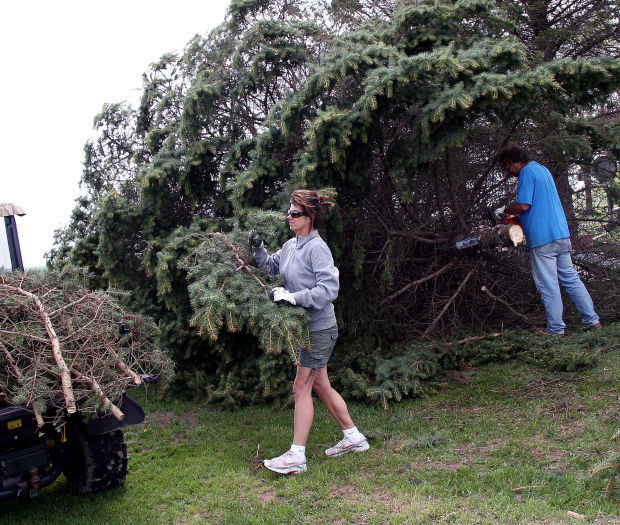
<point>255,239</point>
<point>282,295</point>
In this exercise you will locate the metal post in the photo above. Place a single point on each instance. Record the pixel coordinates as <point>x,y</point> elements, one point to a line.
<point>14,248</point>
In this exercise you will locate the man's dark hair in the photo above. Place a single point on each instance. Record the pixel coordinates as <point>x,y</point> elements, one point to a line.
<point>513,153</point>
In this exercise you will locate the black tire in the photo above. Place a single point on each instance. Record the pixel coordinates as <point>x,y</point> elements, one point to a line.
<point>99,464</point>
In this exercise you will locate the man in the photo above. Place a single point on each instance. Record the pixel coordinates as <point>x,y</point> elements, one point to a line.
<point>548,239</point>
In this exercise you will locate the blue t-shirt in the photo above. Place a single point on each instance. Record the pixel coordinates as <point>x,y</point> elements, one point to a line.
<point>545,220</point>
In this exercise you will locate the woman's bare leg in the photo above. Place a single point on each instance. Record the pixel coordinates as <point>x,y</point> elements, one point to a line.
<point>304,407</point>
<point>332,400</point>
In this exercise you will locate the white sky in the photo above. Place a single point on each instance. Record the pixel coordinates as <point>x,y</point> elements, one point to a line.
<point>61,61</point>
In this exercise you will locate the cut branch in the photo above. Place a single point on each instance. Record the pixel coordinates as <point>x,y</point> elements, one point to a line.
<point>73,361</point>
<point>65,374</point>
<point>441,270</point>
<point>512,310</point>
<point>18,373</point>
<point>242,263</point>
<point>114,410</point>
<point>128,371</point>
<point>451,300</point>
<point>502,235</point>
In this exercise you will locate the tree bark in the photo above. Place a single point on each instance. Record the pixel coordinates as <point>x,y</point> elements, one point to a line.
<point>114,410</point>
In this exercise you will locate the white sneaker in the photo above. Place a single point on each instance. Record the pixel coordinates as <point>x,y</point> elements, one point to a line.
<point>287,463</point>
<point>357,443</point>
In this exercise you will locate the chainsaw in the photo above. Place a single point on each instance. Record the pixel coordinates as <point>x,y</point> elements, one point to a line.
<point>515,234</point>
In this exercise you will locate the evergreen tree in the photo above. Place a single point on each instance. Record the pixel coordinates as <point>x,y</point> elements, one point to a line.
<point>399,106</point>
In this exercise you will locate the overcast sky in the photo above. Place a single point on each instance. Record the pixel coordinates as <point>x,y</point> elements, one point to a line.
<point>62,60</point>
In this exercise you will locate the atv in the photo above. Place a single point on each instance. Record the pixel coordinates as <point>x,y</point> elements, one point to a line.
<point>92,454</point>
<point>38,443</point>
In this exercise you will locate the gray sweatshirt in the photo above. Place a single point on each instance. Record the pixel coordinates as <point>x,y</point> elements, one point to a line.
<point>307,265</point>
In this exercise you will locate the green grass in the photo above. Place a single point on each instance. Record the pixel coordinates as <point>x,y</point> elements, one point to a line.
<point>502,443</point>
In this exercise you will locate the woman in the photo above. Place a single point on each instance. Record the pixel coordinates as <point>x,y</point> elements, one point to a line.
<point>310,281</point>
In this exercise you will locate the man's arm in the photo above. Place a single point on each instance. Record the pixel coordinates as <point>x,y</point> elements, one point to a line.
<point>517,208</point>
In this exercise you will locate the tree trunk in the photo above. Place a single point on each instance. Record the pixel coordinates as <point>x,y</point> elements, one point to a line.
<point>566,197</point>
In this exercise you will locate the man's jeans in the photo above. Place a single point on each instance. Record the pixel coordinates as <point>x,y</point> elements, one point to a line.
<point>551,263</point>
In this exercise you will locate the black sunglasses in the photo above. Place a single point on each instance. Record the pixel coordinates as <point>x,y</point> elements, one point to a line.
<point>295,213</point>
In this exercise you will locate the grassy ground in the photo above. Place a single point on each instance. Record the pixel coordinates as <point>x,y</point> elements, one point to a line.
<point>502,443</point>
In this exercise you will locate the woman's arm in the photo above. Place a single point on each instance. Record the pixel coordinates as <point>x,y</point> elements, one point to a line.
<point>327,284</point>
<point>266,262</point>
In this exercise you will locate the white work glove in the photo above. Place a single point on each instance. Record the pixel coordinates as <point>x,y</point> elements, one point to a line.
<point>282,295</point>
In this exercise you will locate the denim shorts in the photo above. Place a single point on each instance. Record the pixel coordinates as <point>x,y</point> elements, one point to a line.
<point>322,342</point>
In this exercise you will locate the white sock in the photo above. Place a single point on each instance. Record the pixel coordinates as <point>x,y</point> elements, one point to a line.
<point>298,449</point>
<point>349,432</point>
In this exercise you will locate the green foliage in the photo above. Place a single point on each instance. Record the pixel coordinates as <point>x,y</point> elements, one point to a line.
<point>228,294</point>
<point>410,371</point>
<point>610,467</point>
<point>400,107</point>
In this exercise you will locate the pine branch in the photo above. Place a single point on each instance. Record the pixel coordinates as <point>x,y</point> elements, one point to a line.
<point>82,341</point>
<point>19,375</point>
<point>227,293</point>
<point>237,255</point>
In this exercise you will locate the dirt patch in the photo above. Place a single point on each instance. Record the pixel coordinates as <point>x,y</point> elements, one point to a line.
<point>187,418</point>
<point>558,460</point>
<point>159,418</point>
<point>164,419</point>
<point>393,504</point>
<point>345,491</point>
<point>542,450</point>
<point>570,429</point>
<point>268,495</point>
<point>447,466</point>
<point>472,454</point>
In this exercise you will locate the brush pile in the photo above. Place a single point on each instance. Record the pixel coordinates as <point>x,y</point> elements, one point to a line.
<point>64,348</point>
